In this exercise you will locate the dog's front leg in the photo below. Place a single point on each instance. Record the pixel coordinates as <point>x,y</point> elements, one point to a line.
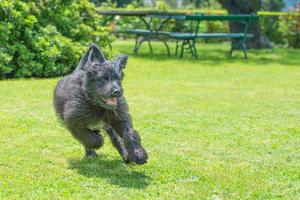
<point>132,142</point>
<point>117,141</point>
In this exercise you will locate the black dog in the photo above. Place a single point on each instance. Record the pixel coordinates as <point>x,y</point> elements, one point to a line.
<point>92,97</point>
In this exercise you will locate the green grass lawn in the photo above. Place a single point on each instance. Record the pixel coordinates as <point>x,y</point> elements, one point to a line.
<point>216,128</point>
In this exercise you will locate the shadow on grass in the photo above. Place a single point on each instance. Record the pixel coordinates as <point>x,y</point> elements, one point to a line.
<point>214,54</point>
<point>115,171</point>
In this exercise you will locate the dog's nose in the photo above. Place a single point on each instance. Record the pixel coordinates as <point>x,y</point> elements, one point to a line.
<point>117,93</point>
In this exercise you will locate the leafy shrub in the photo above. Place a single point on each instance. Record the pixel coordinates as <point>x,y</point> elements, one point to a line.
<point>270,27</point>
<point>214,27</point>
<point>290,28</point>
<point>46,38</point>
<point>161,5</point>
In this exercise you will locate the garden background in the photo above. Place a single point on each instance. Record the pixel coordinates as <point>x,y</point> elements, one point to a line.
<point>215,128</point>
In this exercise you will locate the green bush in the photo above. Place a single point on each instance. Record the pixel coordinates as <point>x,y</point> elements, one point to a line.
<point>46,38</point>
<point>270,27</point>
<point>290,28</point>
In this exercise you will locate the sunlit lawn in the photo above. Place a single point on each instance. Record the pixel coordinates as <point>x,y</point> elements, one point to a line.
<point>216,128</point>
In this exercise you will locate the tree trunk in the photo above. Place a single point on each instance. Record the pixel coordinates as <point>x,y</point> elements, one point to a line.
<point>259,40</point>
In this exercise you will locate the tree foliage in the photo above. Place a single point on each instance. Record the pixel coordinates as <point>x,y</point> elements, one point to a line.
<point>289,26</point>
<point>46,38</point>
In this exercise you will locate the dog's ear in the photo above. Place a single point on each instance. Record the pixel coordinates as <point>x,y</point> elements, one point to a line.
<point>95,54</point>
<point>82,62</point>
<point>121,61</point>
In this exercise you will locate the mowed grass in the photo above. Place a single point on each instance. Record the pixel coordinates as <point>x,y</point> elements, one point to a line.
<point>216,128</point>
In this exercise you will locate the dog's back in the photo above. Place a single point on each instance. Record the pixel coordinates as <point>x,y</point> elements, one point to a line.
<point>63,91</point>
<point>60,97</point>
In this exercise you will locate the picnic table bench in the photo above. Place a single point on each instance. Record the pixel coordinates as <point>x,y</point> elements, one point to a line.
<point>188,39</point>
<point>151,32</point>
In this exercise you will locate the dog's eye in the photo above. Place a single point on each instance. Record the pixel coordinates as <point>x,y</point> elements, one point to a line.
<point>106,78</point>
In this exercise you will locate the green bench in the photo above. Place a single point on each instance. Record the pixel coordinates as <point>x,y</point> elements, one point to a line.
<point>151,32</point>
<point>142,35</point>
<point>189,39</point>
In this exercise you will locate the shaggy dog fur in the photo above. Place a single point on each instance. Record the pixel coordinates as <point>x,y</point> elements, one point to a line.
<point>92,97</point>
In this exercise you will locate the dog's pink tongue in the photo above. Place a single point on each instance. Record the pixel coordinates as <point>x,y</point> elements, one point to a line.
<point>111,101</point>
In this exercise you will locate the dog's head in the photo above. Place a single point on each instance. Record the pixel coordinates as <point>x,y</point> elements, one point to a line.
<point>102,77</point>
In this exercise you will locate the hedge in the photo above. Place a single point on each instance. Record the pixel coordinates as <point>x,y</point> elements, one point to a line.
<point>46,38</point>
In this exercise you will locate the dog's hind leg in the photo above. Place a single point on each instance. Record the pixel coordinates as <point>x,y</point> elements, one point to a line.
<point>90,139</point>
<point>117,141</point>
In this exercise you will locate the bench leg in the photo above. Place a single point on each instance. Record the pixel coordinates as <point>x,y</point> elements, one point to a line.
<point>242,45</point>
<point>244,49</point>
<point>191,47</point>
<point>168,49</point>
<point>136,46</point>
<point>182,48</point>
<point>150,46</point>
<point>176,49</point>
<point>195,49</point>
<point>138,43</point>
<point>165,43</point>
<point>231,51</point>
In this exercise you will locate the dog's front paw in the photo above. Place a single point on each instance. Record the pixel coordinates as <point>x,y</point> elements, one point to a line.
<point>138,155</point>
<point>126,158</point>
<point>134,148</point>
<point>91,154</point>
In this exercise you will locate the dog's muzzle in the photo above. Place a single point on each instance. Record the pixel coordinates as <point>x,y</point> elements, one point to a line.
<point>110,101</point>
